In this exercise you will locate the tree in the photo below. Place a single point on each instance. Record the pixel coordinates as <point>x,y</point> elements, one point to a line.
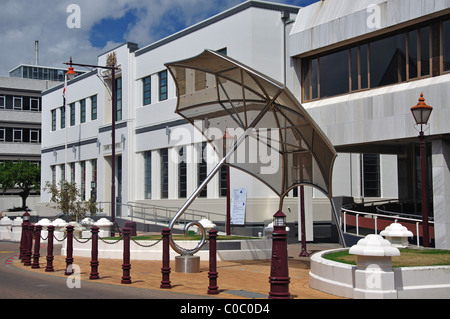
<point>23,175</point>
<point>67,199</point>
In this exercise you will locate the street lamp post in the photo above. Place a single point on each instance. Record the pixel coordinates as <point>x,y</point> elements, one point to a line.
<point>113,69</point>
<point>228,142</point>
<point>422,113</point>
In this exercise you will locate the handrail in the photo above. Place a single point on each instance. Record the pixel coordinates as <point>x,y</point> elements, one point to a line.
<point>395,217</point>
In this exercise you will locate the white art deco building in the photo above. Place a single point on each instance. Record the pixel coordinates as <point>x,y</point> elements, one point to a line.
<point>356,66</point>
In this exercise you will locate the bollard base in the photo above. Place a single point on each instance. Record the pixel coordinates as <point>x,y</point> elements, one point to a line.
<point>187,264</point>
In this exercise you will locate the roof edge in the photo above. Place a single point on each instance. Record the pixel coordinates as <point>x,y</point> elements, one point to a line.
<point>221,16</point>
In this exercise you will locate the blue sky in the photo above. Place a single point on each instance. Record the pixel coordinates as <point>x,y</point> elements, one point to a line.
<point>104,24</point>
<point>115,29</point>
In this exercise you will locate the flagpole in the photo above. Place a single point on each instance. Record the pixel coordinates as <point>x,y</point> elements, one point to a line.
<point>65,128</point>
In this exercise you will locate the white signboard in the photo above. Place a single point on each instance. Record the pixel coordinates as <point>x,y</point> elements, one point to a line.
<point>238,204</point>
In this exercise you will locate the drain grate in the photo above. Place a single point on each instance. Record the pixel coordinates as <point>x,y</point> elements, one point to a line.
<point>246,294</point>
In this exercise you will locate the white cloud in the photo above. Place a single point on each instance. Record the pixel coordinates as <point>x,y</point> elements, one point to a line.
<point>24,21</point>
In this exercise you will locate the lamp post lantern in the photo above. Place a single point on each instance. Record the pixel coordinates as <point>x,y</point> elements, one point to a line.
<point>279,274</point>
<point>421,113</point>
<point>111,66</point>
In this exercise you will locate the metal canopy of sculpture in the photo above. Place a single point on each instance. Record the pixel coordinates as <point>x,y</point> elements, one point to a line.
<point>276,140</point>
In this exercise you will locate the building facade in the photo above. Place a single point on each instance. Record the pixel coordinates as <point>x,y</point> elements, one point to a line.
<point>359,67</point>
<point>20,126</point>
<point>77,142</point>
<point>356,66</point>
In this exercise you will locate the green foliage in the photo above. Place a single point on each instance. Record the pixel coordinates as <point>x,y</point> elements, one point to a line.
<point>67,199</point>
<point>23,175</point>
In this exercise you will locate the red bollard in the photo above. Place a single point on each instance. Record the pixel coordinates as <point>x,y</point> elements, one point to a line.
<point>49,267</point>
<point>37,246</point>
<point>279,274</point>
<point>94,253</point>
<point>29,245</point>
<point>165,270</point>
<point>126,266</point>
<point>23,238</point>
<point>69,252</point>
<point>213,289</point>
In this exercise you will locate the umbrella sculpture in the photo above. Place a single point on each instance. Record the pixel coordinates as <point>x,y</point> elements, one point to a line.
<point>276,141</point>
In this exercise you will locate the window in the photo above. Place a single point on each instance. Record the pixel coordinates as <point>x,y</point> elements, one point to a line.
<point>147,89</point>
<point>94,179</point>
<point>34,136</point>
<point>72,114</point>
<point>63,172</point>
<point>63,117</point>
<point>119,99</point>
<point>72,172</point>
<point>82,111</point>
<point>34,104</point>
<point>164,154</point>
<point>94,107</point>
<point>333,74</point>
<point>399,57</point>
<point>2,102</point>
<point>148,175</point>
<point>53,120</point>
<point>371,175</point>
<point>2,135</point>
<point>387,61</point>
<point>53,168</point>
<point>182,174</point>
<point>202,169</point>
<point>83,180</point>
<point>446,45</point>
<point>17,135</point>
<point>17,103</point>
<point>163,85</point>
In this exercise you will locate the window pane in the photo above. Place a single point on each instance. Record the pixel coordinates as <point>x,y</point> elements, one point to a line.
<point>446,44</point>
<point>306,80</point>
<point>82,111</point>
<point>163,85</point>
<point>314,79</point>
<point>164,173</point>
<point>425,51</point>
<point>147,90</point>
<point>334,75</point>
<point>148,175</point>
<point>354,68</point>
<point>412,54</point>
<point>182,175</point>
<point>388,61</point>
<point>372,175</point>
<point>94,107</point>
<point>363,51</point>
<point>202,170</point>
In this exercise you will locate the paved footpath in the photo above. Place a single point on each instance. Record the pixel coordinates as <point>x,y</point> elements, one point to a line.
<point>237,279</point>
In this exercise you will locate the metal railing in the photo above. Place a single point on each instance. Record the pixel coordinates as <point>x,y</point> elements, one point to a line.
<point>154,214</point>
<point>379,214</point>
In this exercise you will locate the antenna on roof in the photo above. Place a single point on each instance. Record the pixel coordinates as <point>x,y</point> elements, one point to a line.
<point>36,52</point>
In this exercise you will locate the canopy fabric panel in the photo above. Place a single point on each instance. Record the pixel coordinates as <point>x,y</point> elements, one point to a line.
<point>284,147</point>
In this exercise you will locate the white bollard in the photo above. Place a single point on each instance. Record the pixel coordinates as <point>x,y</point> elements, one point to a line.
<point>374,277</point>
